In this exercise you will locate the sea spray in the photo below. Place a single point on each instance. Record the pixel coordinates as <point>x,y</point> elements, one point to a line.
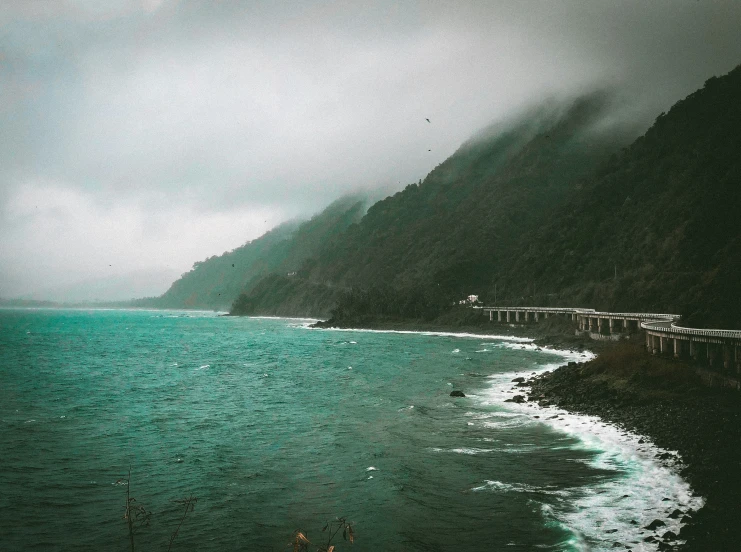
<point>616,510</point>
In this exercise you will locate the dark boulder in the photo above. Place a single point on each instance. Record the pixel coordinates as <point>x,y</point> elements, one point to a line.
<point>518,380</point>
<point>669,536</point>
<point>517,399</point>
<point>676,514</point>
<point>457,394</point>
<point>655,524</point>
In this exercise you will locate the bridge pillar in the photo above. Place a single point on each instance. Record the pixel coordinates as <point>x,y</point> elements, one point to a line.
<point>499,316</point>
<point>677,348</point>
<point>648,342</point>
<point>517,316</point>
<point>507,316</point>
<point>537,316</point>
<point>662,345</point>
<point>611,323</point>
<point>625,325</point>
<point>693,350</point>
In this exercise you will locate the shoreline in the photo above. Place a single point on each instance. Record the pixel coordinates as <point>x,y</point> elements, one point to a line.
<point>615,512</point>
<point>694,429</point>
<point>664,402</point>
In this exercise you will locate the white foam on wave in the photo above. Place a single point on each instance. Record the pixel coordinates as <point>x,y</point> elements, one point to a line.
<point>471,451</point>
<point>511,338</point>
<point>500,486</point>
<point>592,511</point>
<point>204,367</point>
<point>456,350</point>
<point>287,318</point>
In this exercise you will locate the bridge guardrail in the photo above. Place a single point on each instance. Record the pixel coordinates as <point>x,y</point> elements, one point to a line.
<point>702,332</point>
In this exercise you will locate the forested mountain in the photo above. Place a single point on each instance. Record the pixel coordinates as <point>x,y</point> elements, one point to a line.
<point>551,211</point>
<point>658,227</point>
<point>217,281</point>
<point>448,236</point>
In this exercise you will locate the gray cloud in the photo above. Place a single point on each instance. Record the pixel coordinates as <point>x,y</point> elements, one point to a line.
<point>162,132</point>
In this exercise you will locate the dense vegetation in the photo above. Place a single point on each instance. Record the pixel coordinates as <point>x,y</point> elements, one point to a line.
<point>216,282</point>
<point>551,211</point>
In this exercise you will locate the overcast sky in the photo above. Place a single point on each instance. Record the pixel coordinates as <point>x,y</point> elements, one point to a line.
<point>139,136</point>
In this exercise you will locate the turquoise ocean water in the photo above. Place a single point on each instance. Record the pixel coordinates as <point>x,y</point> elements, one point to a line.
<point>274,427</point>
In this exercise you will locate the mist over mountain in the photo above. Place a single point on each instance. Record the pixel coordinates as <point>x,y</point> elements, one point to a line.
<point>561,207</point>
<point>446,237</point>
<point>215,282</point>
<point>118,287</point>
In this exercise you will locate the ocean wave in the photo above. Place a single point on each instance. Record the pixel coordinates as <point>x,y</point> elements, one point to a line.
<point>510,338</point>
<point>500,486</point>
<point>464,450</point>
<point>617,509</point>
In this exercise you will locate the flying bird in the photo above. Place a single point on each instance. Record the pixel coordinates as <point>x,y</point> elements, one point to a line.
<point>427,120</point>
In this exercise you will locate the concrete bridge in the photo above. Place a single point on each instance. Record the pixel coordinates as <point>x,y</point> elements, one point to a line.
<point>599,325</point>
<point>720,349</point>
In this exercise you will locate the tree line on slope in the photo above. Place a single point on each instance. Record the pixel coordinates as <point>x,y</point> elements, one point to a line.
<point>553,212</point>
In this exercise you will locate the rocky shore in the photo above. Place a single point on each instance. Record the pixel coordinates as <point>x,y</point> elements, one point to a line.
<point>667,402</point>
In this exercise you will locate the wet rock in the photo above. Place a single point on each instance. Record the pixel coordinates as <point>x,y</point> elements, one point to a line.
<point>518,380</point>
<point>669,536</point>
<point>517,399</point>
<point>676,514</point>
<point>457,394</point>
<point>655,524</point>
<point>650,538</point>
<point>611,531</point>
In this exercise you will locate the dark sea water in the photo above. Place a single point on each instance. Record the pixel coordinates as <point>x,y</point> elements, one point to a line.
<point>276,427</point>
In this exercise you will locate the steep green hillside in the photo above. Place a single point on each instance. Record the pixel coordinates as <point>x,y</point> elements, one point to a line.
<point>659,226</point>
<point>217,281</point>
<point>551,211</point>
<point>446,237</point>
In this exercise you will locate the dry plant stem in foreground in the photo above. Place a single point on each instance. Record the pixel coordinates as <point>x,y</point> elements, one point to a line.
<point>138,516</point>
<point>135,515</point>
<point>301,543</point>
<point>189,505</point>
